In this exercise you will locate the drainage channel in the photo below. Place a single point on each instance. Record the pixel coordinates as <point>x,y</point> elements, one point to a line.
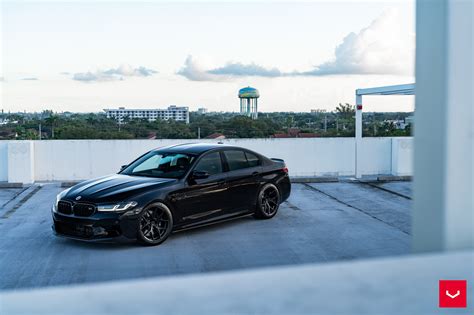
<point>14,197</point>
<point>34,190</point>
<point>351,206</point>
<point>387,190</point>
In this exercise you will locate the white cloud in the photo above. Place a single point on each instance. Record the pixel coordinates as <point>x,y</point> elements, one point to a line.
<point>384,47</point>
<point>113,74</point>
<point>240,69</point>
<point>381,48</point>
<point>194,70</point>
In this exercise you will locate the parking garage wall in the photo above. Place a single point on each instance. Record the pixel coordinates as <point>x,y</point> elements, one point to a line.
<point>70,160</point>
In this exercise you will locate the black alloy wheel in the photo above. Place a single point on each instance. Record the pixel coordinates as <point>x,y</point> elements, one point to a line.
<point>155,224</point>
<point>268,202</point>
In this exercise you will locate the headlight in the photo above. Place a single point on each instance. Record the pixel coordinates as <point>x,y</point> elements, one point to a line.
<point>59,197</point>
<point>117,207</point>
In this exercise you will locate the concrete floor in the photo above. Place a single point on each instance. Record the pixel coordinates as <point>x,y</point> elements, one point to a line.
<point>319,223</point>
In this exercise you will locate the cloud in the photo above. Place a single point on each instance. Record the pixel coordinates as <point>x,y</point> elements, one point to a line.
<point>239,69</point>
<point>193,70</point>
<point>381,48</point>
<point>113,74</point>
<point>30,79</point>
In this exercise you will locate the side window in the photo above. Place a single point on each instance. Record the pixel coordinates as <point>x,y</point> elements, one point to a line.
<point>252,159</point>
<point>210,163</point>
<point>236,159</point>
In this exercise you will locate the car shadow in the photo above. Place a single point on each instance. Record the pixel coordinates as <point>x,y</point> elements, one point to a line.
<point>126,244</point>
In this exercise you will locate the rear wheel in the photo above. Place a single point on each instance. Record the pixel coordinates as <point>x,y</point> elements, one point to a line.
<point>155,224</point>
<point>268,202</point>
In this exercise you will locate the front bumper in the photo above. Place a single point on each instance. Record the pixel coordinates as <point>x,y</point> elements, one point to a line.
<point>98,227</point>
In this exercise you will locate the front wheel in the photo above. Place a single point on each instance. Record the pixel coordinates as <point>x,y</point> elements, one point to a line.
<point>155,224</point>
<point>268,202</point>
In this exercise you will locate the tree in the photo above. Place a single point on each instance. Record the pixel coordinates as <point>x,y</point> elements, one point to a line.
<point>52,121</point>
<point>346,111</point>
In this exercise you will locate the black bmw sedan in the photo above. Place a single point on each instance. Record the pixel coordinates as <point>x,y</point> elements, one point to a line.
<point>171,189</point>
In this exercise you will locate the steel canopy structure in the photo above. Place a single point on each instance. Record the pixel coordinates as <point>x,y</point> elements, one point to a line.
<point>402,89</point>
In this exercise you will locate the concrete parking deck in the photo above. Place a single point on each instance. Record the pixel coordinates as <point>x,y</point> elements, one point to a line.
<point>319,223</point>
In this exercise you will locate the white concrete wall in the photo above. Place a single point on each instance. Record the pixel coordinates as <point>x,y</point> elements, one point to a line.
<point>82,159</point>
<point>3,161</point>
<point>21,167</point>
<point>375,156</point>
<point>402,156</point>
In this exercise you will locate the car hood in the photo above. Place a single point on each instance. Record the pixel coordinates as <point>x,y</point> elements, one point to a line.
<point>114,188</point>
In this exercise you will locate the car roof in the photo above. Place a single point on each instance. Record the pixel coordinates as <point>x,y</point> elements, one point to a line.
<point>194,148</point>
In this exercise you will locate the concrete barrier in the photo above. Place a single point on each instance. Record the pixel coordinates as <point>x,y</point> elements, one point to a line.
<point>21,167</point>
<point>73,160</point>
<point>402,156</point>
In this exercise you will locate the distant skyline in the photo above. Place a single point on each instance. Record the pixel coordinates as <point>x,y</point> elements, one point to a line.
<point>86,56</point>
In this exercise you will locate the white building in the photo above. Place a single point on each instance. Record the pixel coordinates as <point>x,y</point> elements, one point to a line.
<point>202,110</point>
<point>178,113</point>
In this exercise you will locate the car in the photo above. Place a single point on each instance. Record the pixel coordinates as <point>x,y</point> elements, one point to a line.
<point>172,189</point>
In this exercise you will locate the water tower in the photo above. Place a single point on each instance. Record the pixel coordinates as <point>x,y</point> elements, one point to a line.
<point>248,101</point>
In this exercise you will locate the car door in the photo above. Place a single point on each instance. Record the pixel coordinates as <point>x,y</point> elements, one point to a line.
<point>243,178</point>
<point>205,198</point>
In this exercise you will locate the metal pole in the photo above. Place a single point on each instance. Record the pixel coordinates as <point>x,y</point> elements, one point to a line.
<point>39,131</point>
<point>199,132</point>
<point>358,136</point>
<point>256,108</point>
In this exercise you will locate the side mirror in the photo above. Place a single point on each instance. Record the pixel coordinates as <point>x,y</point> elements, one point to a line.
<point>200,174</point>
<point>123,167</point>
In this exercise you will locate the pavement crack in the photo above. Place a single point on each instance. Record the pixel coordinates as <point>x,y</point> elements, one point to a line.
<point>351,206</point>
<point>7,214</point>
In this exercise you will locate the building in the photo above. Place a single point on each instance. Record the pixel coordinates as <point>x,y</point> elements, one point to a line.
<point>177,113</point>
<point>248,101</point>
<point>216,136</point>
<point>202,110</point>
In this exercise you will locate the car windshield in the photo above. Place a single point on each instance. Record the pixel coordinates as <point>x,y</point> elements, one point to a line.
<point>160,164</point>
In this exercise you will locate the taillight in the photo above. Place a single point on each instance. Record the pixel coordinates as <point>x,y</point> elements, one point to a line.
<point>285,169</point>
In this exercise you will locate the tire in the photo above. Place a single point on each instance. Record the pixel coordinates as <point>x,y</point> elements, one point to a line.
<point>268,202</point>
<point>154,224</point>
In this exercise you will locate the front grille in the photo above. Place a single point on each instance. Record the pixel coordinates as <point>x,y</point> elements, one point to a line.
<point>73,229</point>
<point>83,209</point>
<point>64,207</point>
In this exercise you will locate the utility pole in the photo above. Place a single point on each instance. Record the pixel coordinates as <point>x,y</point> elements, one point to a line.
<point>39,131</point>
<point>199,132</point>
<point>325,123</point>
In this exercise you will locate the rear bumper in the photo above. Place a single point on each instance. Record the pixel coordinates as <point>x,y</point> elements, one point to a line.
<point>284,184</point>
<point>99,227</point>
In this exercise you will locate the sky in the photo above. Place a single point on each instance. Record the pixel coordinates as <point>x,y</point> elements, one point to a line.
<point>90,55</point>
